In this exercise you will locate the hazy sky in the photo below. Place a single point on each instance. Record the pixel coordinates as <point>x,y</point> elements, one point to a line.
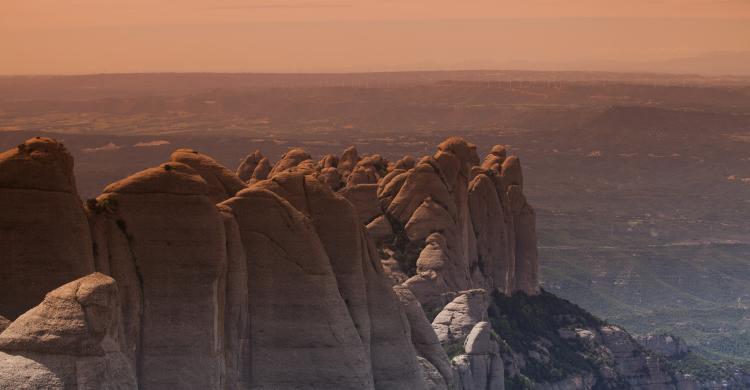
<point>92,36</point>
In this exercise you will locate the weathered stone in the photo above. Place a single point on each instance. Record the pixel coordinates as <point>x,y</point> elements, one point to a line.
<point>301,333</point>
<point>665,344</point>
<point>222,183</point>
<point>248,165</point>
<point>365,199</point>
<point>379,228</point>
<point>289,160</point>
<point>330,177</point>
<point>44,233</point>
<point>262,171</point>
<point>431,376</point>
<point>69,341</point>
<point>166,247</point>
<point>348,159</point>
<point>458,317</point>
<point>423,336</point>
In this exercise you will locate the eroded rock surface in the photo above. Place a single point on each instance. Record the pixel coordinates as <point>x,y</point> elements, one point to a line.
<point>45,240</point>
<point>307,275</point>
<point>164,241</point>
<point>70,341</point>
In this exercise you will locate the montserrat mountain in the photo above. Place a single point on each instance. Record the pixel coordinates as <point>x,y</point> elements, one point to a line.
<point>350,272</point>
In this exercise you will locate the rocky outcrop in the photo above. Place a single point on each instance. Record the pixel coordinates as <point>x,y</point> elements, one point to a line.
<point>45,240</point>
<point>69,341</point>
<point>456,225</point>
<point>462,329</point>
<point>425,340</point>
<point>309,274</point>
<point>637,368</point>
<point>664,344</point>
<point>222,183</point>
<point>246,170</point>
<point>372,305</point>
<point>292,159</point>
<point>289,278</point>
<point>164,241</point>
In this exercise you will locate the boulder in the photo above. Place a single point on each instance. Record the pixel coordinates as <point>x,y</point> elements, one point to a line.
<point>70,341</point>
<point>458,318</point>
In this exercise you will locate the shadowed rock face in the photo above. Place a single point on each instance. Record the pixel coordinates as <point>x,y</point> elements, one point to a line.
<point>373,307</point>
<point>301,333</point>
<point>292,159</point>
<point>165,244</point>
<point>44,235</point>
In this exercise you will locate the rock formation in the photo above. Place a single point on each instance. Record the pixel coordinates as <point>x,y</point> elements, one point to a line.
<point>165,244</point>
<point>45,240</point>
<point>69,341</point>
<point>222,183</point>
<point>462,328</point>
<point>247,168</point>
<point>664,344</point>
<point>313,275</point>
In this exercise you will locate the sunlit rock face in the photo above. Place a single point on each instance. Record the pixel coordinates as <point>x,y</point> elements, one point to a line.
<point>71,340</point>
<point>44,235</point>
<point>456,224</point>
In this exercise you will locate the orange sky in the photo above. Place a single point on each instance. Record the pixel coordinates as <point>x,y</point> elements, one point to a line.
<point>91,36</point>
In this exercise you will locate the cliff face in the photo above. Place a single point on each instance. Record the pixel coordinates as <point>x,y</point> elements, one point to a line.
<point>300,275</point>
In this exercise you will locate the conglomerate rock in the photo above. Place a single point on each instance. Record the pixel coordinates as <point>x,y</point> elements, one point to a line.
<point>374,308</point>
<point>70,341</point>
<point>222,183</point>
<point>288,283</point>
<point>165,244</point>
<point>247,167</point>
<point>301,334</point>
<point>44,234</point>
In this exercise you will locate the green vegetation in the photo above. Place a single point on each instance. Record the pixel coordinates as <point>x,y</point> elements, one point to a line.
<point>404,250</point>
<point>454,348</point>
<point>518,382</point>
<point>705,370</point>
<point>531,323</point>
